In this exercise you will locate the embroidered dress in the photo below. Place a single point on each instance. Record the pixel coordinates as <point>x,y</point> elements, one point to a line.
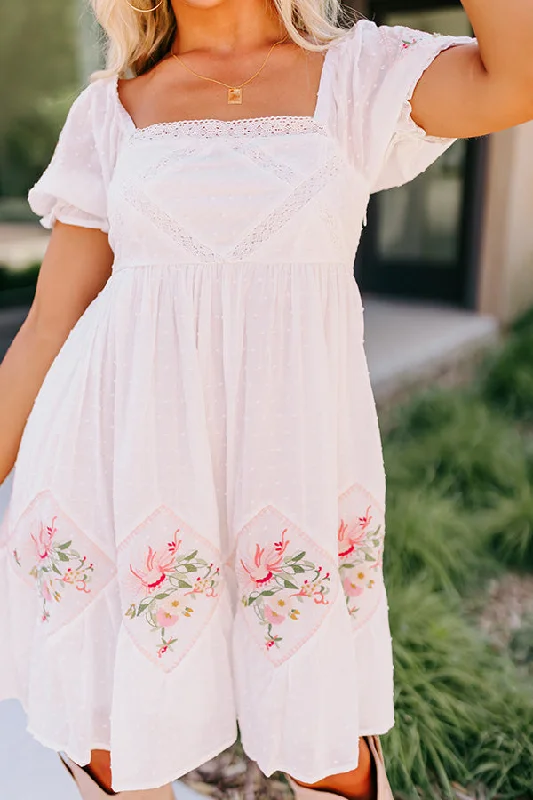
<point>196,525</point>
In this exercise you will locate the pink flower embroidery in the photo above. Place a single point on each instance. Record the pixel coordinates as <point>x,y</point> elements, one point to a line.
<point>276,574</point>
<point>58,566</point>
<point>360,557</point>
<point>206,585</point>
<point>168,579</point>
<point>158,565</point>
<point>352,536</point>
<point>165,618</point>
<point>272,616</point>
<point>355,586</point>
<point>267,562</point>
<point>43,540</point>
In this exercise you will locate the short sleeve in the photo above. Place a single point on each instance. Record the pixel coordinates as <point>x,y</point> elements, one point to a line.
<point>376,72</point>
<point>73,187</point>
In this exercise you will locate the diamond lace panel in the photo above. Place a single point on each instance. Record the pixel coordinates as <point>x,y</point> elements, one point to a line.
<point>58,561</point>
<point>170,583</point>
<point>260,230</point>
<point>287,583</point>
<point>361,540</point>
<point>300,197</point>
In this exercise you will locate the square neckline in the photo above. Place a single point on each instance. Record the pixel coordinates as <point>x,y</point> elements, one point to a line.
<point>272,119</point>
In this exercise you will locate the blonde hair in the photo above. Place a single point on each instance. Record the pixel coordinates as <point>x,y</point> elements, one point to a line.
<point>136,42</point>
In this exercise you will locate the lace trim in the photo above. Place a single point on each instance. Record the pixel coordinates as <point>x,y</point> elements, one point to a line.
<point>282,171</point>
<point>164,221</point>
<point>168,225</point>
<point>210,128</point>
<point>285,212</point>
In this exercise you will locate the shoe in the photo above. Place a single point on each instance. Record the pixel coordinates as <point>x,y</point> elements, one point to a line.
<point>384,792</point>
<point>90,789</point>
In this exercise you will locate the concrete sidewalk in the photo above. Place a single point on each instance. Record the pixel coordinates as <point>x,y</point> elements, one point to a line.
<point>29,771</point>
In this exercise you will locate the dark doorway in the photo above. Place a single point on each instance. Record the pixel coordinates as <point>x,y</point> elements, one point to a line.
<point>422,239</point>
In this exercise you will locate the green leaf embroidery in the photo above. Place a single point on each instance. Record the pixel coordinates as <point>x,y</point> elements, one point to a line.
<point>289,585</point>
<point>297,557</point>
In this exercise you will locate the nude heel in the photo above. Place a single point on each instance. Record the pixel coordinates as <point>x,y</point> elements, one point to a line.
<point>384,791</point>
<point>91,790</point>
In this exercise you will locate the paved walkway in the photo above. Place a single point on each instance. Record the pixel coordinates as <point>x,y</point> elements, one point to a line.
<point>29,771</point>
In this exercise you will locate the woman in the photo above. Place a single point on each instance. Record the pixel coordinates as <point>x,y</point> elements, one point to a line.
<point>196,527</point>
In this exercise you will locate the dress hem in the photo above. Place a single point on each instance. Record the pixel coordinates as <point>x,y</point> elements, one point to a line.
<point>313,778</point>
<point>127,787</point>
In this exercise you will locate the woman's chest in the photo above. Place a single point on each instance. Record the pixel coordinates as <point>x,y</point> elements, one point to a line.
<point>225,192</point>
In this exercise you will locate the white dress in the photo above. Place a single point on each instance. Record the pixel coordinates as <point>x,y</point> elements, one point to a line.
<point>195,532</point>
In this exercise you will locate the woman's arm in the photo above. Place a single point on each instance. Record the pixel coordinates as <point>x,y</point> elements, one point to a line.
<point>76,266</point>
<point>470,90</point>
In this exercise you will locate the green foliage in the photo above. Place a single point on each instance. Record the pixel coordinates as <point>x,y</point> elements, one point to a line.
<point>507,376</point>
<point>456,701</point>
<point>452,440</point>
<point>431,537</point>
<point>523,323</point>
<point>459,467</point>
<point>508,526</point>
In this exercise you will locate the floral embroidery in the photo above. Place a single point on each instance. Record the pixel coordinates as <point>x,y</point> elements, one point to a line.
<point>406,43</point>
<point>170,582</point>
<point>275,582</point>
<point>58,561</point>
<point>360,547</point>
<point>51,572</point>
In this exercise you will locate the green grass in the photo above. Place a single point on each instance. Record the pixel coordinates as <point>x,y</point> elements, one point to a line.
<point>507,382</point>
<point>454,441</point>
<point>456,701</point>
<point>459,466</point>
<point>432,538</point>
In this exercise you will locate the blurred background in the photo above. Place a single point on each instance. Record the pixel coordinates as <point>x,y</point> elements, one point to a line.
<point>445,269</point>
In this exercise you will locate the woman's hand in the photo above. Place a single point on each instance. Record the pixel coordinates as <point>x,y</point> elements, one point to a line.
<point>470,90</point>
<point>76,266</point>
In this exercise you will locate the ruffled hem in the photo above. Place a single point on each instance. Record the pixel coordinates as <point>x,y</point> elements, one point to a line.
<point>353,674</point>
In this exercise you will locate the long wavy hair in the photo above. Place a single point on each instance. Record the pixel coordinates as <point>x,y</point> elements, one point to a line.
<point>135,42</point>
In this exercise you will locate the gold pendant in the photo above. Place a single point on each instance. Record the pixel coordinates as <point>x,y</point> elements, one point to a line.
<point>234,96</point>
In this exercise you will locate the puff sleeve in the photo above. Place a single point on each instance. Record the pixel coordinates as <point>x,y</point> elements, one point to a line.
<point>73,187</point>
<point>377,69</point>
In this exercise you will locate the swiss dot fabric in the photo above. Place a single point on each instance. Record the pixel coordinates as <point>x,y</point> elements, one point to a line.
<point>196,528</point>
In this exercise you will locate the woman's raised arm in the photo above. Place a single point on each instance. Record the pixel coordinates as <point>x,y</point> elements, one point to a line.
<point>474,89</point>
<point>76,266</point>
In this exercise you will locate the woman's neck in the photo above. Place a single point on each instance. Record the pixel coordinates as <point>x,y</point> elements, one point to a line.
<point>224,27</point>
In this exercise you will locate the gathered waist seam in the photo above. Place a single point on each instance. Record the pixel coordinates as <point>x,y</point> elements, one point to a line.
<point>340,265</point>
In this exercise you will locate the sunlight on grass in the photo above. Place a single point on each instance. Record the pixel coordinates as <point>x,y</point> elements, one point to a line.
<point>459,466</point>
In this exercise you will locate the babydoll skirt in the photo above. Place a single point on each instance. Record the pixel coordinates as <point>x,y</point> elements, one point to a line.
<point>195,531</point>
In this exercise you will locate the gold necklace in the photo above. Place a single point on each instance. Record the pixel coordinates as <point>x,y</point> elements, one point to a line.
<point>235,93</point>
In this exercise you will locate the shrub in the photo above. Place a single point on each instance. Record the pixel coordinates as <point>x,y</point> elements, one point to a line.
<point>456,702</point>
<point>453,441</point>
<point>429,536</point>
<point>508,526</point>
<point>506,376</point>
